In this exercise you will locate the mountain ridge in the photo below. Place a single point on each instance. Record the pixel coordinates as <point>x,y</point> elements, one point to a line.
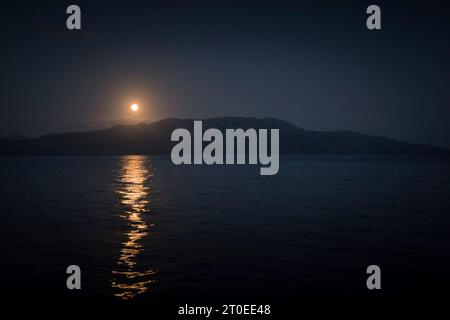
<point>154,138</point>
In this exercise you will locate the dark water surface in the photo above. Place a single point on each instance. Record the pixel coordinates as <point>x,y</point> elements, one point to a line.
<point>141,228</point>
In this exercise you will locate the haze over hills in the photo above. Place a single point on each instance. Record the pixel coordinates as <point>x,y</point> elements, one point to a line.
<point>154,138</point>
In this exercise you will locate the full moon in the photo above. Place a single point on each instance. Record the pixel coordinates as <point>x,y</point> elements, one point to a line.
<point>134,107</point>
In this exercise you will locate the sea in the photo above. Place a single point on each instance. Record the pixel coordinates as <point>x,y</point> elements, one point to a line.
<point>143,229</point>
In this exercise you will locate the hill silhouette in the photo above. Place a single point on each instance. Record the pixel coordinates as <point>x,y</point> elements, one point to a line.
<point>154,138</point>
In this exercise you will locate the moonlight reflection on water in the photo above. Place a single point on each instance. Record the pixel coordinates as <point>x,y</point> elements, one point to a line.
<point>128,281</point>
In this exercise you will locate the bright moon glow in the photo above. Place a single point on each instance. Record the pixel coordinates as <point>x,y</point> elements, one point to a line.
<point>134,107</point>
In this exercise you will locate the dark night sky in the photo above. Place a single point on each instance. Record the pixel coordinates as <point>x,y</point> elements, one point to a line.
<point>309,62</point>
